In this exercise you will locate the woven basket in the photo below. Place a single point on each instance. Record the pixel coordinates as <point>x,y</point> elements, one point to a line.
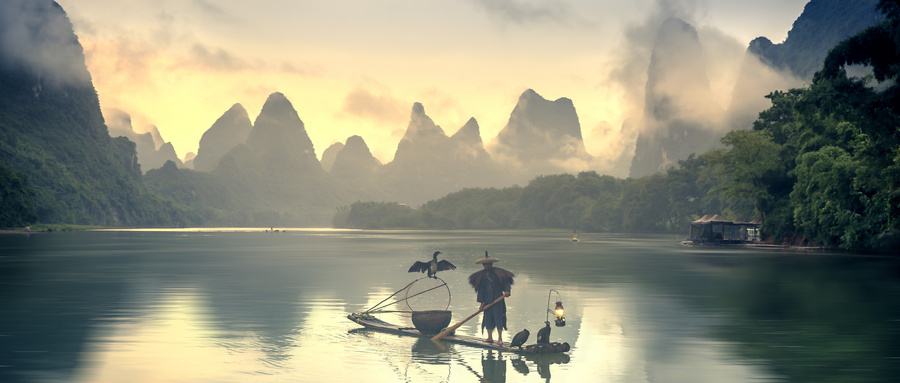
<point>432,321</point>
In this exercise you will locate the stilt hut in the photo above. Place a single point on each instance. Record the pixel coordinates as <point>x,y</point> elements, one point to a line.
<point>718,230</point>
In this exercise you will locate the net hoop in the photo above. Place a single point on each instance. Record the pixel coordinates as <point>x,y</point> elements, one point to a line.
<point>438,287</point>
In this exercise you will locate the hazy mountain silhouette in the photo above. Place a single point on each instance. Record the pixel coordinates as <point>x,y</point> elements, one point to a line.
<point>356,169</point>
<point>276,173</point>
<point>228,131</point>
<point>188,160</point>
<point>355,162</point>
<point>428,164</point>
<point>151,154</point>
<point>279,138</point>
<point>541,137</point>
<point>680,111</point>
<point>822,25</point>
<point>329,155</point>
<point>768,67</point>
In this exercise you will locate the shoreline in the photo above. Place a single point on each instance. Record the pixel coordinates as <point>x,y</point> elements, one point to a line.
<point>14,232</point>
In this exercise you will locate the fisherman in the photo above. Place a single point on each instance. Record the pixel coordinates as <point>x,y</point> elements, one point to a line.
<point>491,283</point>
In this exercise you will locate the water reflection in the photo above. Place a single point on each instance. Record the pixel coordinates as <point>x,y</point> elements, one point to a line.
<point>543,362</point>
<point>831,319</point>
<point>251,306</point>
<point>493,367</point>
<point>430,352</point>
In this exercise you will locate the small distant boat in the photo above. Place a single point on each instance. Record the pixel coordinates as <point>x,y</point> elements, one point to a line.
<point>575,236</point>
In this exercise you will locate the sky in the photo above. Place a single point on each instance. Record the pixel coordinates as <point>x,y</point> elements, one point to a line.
<point>356,67</point>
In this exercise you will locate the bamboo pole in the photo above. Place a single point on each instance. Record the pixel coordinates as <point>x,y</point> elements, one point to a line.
<point>456,326</point>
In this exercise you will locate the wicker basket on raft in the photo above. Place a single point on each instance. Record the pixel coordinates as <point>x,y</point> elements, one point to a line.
<point>431,321</point>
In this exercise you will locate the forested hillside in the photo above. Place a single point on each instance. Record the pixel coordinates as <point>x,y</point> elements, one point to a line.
<point>52,136</point>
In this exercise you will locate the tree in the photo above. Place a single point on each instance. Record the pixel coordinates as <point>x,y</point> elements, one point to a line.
<point>17,206</point>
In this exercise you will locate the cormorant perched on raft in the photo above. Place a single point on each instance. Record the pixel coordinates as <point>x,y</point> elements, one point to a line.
<point>543,336</point>
<point>432,267</point>
<point>519,339</point>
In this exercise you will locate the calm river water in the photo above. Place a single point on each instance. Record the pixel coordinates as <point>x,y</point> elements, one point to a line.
<point>252,306</point>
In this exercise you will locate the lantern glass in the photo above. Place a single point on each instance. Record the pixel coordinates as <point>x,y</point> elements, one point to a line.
<point>560,312</point>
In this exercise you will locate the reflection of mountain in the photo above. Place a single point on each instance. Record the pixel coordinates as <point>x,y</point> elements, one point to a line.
<point>823,317</point>
<point>245,303</point>
<point>49,312</point>
<point>636,303</point>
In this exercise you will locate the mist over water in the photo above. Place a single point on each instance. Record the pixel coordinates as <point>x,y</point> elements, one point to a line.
<point>252,306</point>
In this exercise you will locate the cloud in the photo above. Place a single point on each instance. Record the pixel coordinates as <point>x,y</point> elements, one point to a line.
<point>210,8</point>
<point>217,59</point>
<point>304,69</point>
<point>628,67</point>
<point>118,121</point>
<point>520,12</point>
<point>51,50</point>
<point>364,104</point>
<point>216,12</point>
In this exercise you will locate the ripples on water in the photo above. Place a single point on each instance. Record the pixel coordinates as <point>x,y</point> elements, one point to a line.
<point>251,306</point>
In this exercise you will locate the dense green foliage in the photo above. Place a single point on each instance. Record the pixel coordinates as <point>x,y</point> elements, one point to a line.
<point>78,173</point>
<point>586,202</point>
<point>16,198</point>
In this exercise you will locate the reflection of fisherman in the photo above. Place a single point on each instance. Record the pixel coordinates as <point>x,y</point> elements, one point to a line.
<point>494,369</point>
<point>491,283</point>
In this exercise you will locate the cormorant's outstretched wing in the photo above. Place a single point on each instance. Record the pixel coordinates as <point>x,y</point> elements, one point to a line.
<point>445,265</point>
<point>420,267</point>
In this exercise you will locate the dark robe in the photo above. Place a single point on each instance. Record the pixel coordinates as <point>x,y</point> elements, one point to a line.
<point>489,284</point>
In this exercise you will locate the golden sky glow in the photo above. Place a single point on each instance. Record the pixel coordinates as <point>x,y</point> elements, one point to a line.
<point>356,67</point>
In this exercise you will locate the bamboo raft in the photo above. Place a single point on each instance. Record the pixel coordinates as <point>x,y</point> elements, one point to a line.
<point>370,322</point>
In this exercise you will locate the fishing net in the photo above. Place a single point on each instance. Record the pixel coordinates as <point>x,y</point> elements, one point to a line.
<point>423,294</point>
<point>427,294</point>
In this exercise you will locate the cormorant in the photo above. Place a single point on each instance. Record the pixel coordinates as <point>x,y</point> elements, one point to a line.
<point>520,339</point>
<point>432,267</point>
<point>543,335</point>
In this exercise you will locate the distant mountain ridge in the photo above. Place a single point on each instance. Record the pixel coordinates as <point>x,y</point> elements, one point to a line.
<point>540,136</point>
<point>228,131</point>
<point>822,25</point>
<point>150,155</point>
<point>428,163</point>
<point>680,111</point>
<point>668,137</point>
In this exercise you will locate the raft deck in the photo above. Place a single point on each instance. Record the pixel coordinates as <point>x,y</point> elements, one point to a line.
<point>370,322</point>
